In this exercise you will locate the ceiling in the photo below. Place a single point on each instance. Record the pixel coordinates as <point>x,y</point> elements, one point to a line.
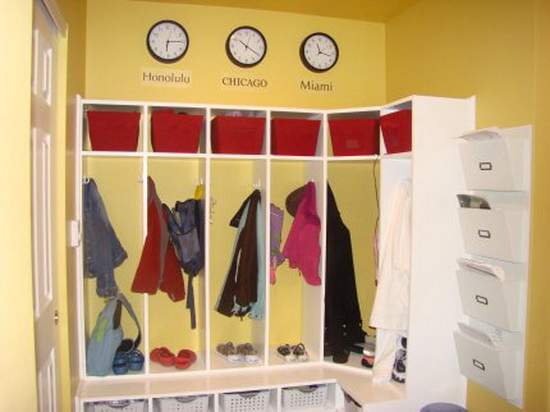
<point>367,10</point>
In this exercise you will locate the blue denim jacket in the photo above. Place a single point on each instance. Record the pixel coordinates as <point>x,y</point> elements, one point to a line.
<point>102,249</point>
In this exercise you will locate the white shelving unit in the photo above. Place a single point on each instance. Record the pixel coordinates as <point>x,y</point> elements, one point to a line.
<point>432,371</point>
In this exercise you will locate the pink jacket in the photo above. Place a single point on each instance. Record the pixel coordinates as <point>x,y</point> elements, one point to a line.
<point>302,244</point>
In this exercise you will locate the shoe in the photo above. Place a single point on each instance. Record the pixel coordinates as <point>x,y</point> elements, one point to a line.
<point>135,360</point>
<point>247,353</point>
<point>399,372</point>
<point>120,363</point>
<point>185,359</point>
<point>228,351</point>
<point>285,352</point>
<point>163,356</point>
<point>340,356</point>
<point>300,353</point>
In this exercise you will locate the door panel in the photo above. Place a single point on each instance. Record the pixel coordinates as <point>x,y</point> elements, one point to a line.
<point>43,135</point>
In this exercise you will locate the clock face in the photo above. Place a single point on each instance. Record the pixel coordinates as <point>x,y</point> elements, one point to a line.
<point>167,41</point>
<point>319,52</point>
<point>246,46</point>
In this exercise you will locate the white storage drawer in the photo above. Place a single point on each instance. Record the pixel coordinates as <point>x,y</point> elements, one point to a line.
<point>497,159</point>
<point>498,234</point>
<point>198,403</point>
<point>491,300</point>
<point>133,405</point>
<point>493,367</point>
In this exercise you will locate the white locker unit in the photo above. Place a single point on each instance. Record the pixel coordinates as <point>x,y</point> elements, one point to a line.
<point>432,165</point>
<point>493,279</point>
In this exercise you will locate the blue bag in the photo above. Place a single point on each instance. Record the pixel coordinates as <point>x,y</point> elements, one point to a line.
<point>107,337</point>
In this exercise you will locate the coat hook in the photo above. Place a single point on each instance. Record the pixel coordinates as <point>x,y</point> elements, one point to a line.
<point>85,180</point>
<point>257,185</point>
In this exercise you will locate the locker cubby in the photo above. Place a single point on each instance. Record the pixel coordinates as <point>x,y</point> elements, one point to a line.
<point>86,144</point>
<point>295,306</point>
<point>232,181</point>
<point>355,187</point>
<point>119,182</point>
<point>189,110</point>
<point>228,179</point>
<point>319,147</point>
<point>170,322</point>
<point>347,115</point>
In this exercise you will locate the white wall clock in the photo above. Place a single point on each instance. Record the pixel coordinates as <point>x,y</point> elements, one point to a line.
<point>319,52</point>
<point>246,46</point>
<point>167,41</point>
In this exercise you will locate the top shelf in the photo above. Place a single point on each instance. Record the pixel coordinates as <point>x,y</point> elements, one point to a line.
<point>210,132</point>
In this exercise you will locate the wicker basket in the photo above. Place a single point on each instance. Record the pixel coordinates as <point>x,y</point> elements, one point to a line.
<point>257,401</point>
<point>135,405</point>
<point>184,404</point>
<point>311,397</point>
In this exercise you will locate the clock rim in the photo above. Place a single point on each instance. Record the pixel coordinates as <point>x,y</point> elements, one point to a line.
<point>161,59</point>
<point>303,57</point>
<point>233,59</point>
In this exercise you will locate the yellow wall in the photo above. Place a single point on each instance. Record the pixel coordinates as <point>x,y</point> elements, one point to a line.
<point>487,48</point>
<point>18,388</point>
<point>116,53</point>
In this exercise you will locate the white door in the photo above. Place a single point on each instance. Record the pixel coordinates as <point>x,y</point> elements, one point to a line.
<point>43,140</point>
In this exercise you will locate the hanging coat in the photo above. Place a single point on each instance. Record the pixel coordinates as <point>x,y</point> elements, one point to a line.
<point>158,266</point>
<point>240,289</point>
<point>302,244</point>
<point>390,312</point>
<point>103,251</point>
<point>343,323</point>
<point>185,224</point>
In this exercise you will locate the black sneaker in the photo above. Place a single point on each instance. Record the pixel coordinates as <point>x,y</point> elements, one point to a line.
<point>399,372</point>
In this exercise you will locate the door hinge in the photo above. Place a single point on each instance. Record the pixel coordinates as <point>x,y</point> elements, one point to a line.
<point>75,234</point>
<point>56,317</point>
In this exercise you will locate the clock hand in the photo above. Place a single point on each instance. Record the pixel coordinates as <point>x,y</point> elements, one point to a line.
<point>244,44</point>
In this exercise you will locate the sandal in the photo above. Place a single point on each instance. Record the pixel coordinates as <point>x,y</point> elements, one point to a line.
<point>248,353</point>
<point>185,358</point>
<point>163,356</point>
<point>300,353</point>
<point>285,352</point>
<point>228,351</point>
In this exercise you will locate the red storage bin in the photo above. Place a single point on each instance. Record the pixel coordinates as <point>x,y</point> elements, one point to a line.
<point>238,135</point>
<point>116,131</point>
<point>173,132</point>
<point>397,131</point>
<point>294,137</point>
<point>354,137</point>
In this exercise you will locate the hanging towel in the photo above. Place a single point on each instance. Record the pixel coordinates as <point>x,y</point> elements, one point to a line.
<point>343,322</point>
<point>390,311</point>
<point>276,227</point>
<point>158,266</point>
<point>240,289</point>
<point>302,244</point>
<point>102,249</point>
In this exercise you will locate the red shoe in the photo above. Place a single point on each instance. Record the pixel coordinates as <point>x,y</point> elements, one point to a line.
<point>185,358</point>
<point>163,356</point>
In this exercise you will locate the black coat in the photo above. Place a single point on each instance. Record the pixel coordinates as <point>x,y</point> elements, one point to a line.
<point>343,324</point>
